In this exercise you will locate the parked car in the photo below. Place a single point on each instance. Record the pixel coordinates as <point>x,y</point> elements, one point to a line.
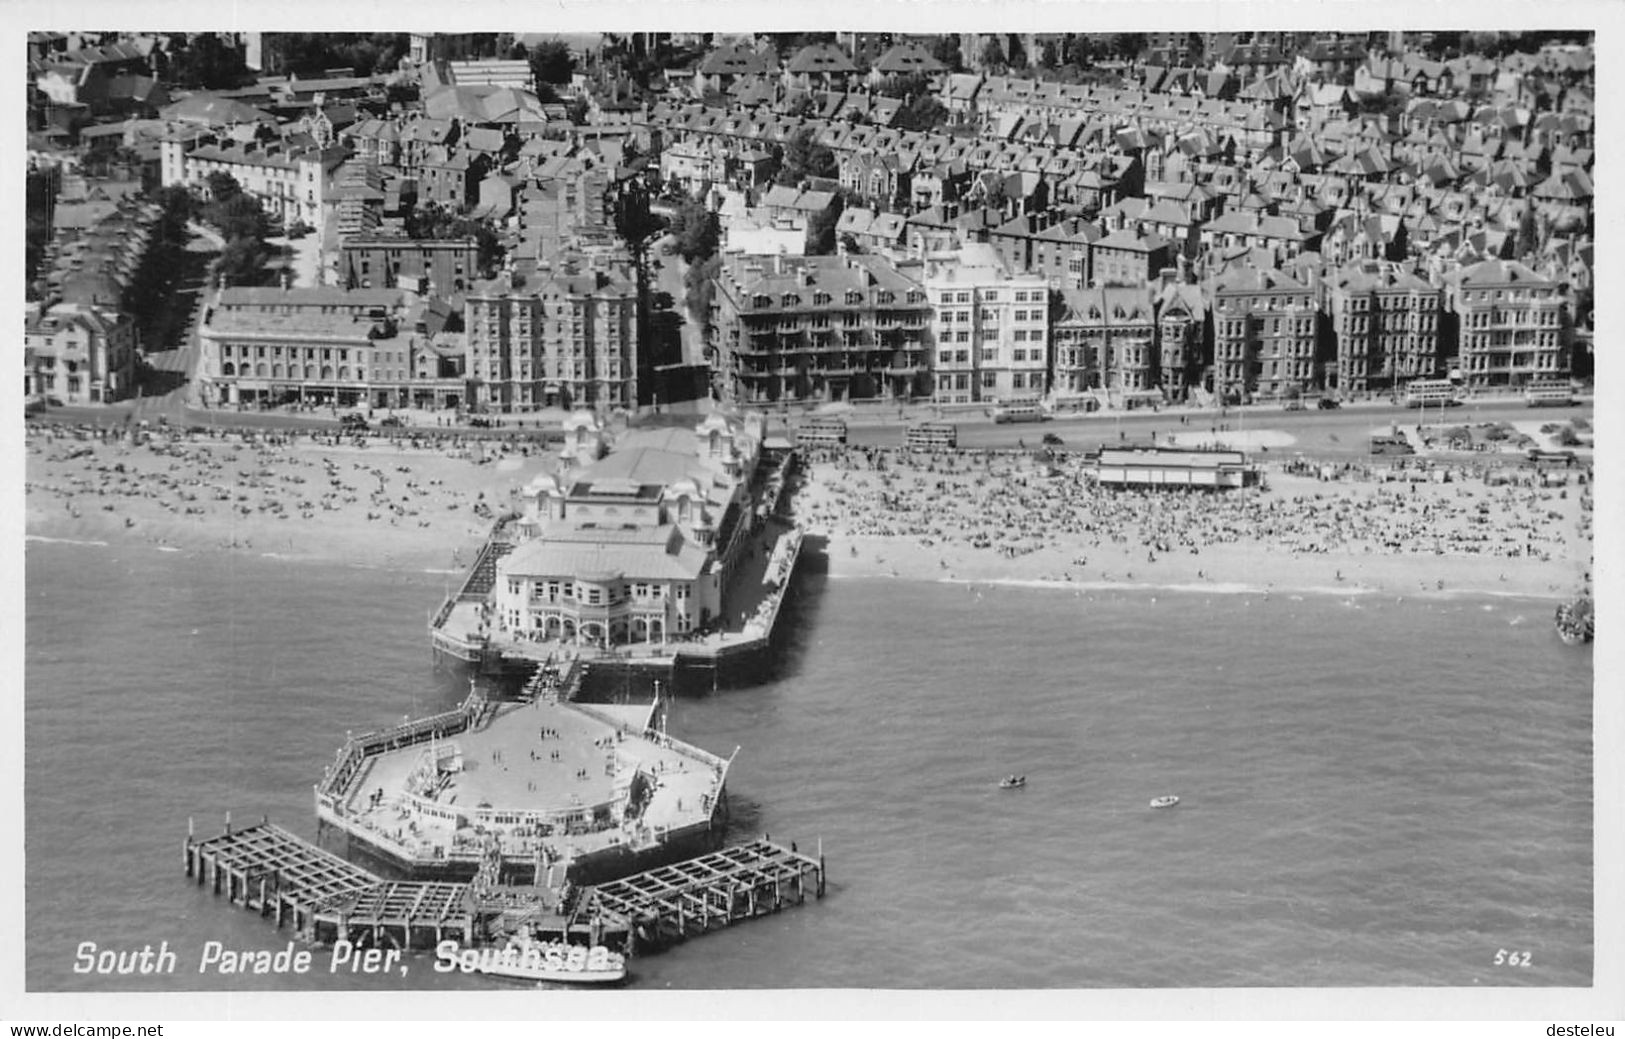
<point>1294,405</point>
<point>1328,404</point>
<point>353,421</point>
<point>393,422</point>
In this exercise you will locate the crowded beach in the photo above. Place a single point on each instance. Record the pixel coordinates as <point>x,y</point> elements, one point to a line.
<point>428,500</point>
<point>423,501</point>
<point>982,516</point>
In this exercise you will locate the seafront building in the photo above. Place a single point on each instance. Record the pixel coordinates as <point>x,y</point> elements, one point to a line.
<point>1263,332</point>
<point>1163,467</point>
<point>1511,325</point>
<point>78,353</point>
<point>1295,160</point>
<point>1106,340</point>
<point>315,345</point>
<point>1385,323</point>
<point>991,328</point>
<point>819,328</point>
<point>634,545</point>
<point>565,340</point>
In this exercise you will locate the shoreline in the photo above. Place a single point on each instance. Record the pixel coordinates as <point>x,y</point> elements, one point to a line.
<point>965,518</point>
<point>1014,522</point>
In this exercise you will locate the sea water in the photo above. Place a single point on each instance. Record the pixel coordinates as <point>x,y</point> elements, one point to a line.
<point>1374,791</point>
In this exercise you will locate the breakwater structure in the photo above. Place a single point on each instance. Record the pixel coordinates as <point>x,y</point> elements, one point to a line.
<point>324,899</point>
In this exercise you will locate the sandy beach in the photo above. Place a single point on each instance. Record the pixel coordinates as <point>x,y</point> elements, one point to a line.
<point>1012,519</point>
<point>966,517</point>
<point>385,504</point>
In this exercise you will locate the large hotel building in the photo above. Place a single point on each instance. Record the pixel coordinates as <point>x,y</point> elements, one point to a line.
<point>565,341</point>
<point>819,328</point>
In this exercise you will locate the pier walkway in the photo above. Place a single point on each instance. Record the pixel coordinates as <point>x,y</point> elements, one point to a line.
<point>673,903</point>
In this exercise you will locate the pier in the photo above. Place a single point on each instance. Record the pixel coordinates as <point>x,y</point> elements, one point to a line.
<point>270,871</point>
<point>694,897</point>
<point>325,899</point>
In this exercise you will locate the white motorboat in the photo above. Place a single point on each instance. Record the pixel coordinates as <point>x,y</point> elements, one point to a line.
<point>1165,801</point>
<point>525,959</point>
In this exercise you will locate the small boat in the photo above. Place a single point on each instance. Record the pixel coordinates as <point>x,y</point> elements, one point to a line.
<point>1165,801</point>
<point>1012,782</point>
<point>525,959</point>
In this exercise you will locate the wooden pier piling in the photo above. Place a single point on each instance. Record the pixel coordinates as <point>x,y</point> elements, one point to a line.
<point>272,872</point>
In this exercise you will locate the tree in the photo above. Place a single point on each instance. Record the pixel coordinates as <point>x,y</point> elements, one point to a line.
<point>992,53</point>
<point>921,110</point>
<point>205,62</point>
<point>177,206</point>
<point>1017,54</point>
<point>804,157</point>
<point>821,229</point>
<point>946,50</point>
<point>696,231</point>
<point>223,187</point>
<point>551,62</point>
<point>699,288</point>
<point>238,216</point>
<point>242,261</point>
<point>1048,55</point>
<point>1127,46</point>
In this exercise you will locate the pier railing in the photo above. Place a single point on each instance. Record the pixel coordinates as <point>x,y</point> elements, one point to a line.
<point>357,749</point>
<point>483,574</point>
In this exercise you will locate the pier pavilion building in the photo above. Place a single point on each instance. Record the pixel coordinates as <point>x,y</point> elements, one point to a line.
<point>635,544</point>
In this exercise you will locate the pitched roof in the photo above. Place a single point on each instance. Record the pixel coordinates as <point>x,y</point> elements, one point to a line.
<point>820,58</point>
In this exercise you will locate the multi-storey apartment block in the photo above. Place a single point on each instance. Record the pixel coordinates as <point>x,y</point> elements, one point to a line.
<point>819,328</point>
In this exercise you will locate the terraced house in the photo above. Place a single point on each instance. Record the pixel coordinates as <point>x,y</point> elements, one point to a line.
<point>1511,324</point>
<point>1263,333</point>
<point>1385,324</point>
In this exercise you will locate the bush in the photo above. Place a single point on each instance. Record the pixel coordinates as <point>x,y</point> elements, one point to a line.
<point>1567,437</point>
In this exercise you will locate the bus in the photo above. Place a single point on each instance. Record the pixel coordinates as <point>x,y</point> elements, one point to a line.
<point>931,436</point>
<point>1426,393</point>
<point>1020,413</point>
<point>1548,395</point>
<point>821,432</point>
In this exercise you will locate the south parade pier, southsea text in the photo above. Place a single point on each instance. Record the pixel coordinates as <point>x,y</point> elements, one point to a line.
<point>215,958</point>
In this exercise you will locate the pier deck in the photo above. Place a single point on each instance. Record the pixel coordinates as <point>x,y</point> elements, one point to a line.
<point>676,902</point>
<point>268,870</point>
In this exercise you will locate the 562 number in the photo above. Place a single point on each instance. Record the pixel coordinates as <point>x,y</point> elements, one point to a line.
<point>1503,958</point>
